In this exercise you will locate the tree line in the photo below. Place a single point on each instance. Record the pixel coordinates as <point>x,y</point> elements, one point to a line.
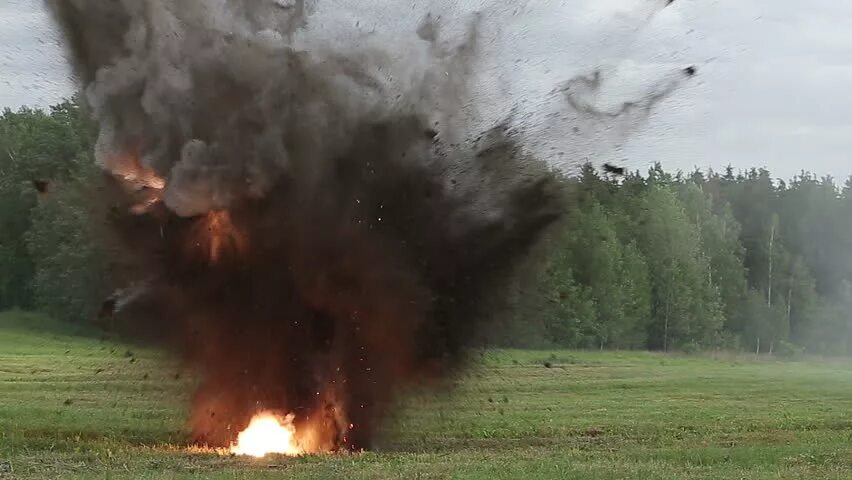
<point>705,260</point>
<point>733,260</point>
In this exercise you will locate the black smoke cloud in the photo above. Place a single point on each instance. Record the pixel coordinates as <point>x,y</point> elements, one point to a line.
<point>313,229</point>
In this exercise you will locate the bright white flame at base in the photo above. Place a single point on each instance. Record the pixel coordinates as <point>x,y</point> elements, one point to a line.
<point>267,433</point>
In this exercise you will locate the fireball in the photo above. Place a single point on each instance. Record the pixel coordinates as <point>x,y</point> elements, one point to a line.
<point>267,433</point>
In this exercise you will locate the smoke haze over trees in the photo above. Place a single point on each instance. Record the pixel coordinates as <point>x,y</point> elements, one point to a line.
<point>659,260</point>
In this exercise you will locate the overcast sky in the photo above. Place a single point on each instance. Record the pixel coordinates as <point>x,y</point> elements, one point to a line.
<point>774,86</point>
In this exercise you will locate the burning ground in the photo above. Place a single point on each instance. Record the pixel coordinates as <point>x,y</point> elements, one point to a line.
<point>312,228</point>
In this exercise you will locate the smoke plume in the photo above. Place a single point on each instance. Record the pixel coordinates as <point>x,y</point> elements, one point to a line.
<point>312,227</point>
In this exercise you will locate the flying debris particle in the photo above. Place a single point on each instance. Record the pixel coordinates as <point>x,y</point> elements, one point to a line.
<point>107,308</point>
<point>41,186</point>
<point>615,170</point>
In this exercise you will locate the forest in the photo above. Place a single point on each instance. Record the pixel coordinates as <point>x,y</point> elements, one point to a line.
<point>658,260</point>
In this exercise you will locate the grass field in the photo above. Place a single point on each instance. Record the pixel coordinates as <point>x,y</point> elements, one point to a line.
<point>76,407</point>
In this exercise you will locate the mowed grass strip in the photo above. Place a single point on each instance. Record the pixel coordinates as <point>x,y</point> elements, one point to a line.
<point>74,406</point>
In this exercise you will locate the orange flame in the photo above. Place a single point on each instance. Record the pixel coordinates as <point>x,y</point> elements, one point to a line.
<point>141,182</point>
<point>137,175</point>
<point>267,433</point>
<point>217,236</point>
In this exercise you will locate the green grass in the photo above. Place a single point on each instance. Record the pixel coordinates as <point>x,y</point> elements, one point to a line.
<point>76,407</point>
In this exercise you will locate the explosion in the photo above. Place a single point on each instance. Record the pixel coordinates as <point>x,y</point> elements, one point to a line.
<point>313,228</point>
<point>267,433</point>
